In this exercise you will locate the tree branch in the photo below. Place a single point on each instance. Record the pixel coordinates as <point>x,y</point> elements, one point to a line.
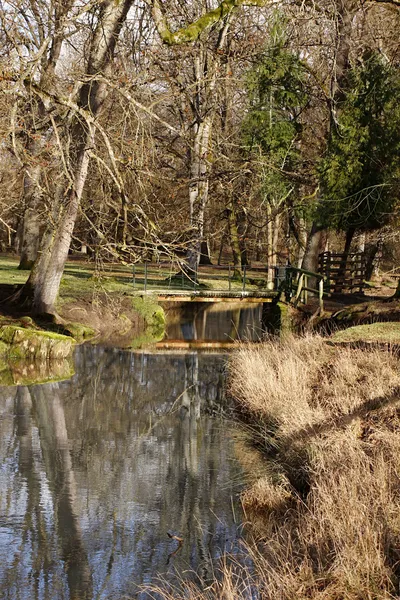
<point>192,32</point>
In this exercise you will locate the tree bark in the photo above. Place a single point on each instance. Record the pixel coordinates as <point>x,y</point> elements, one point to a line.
<point>315,245</point>
<point>46,274</point>
<point>371,254</point>
<point>234,239</point>
<point>30,238</point>
<point>198,190</point>
<point>205,254</point>
<point>272,244</point>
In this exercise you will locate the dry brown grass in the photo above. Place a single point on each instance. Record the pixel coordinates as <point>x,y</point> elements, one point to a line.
<point>324,519</point>
<point>327,518</point>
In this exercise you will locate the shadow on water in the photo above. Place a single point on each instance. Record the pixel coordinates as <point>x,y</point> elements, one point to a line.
<point>98,470</point>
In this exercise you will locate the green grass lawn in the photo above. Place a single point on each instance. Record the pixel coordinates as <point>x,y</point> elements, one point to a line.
<point>85,278</point>
<point>375,332</point>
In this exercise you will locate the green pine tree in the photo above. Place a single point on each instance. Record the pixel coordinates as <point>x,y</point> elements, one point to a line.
<point>360,173</point>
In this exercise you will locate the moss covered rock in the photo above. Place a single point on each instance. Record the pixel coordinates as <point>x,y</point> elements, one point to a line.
<point>278,318</point>
<point>20,343</point>
<point>152,313</point>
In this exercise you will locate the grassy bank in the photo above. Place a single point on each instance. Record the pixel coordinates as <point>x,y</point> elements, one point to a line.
<point>326,513</point>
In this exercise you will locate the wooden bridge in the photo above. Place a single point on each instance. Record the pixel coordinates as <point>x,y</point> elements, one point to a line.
<point>294,284</point>
<point>216,296</point>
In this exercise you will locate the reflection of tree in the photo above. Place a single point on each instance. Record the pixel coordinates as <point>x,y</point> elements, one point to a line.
<point>34,526</point>
<point>192,477</point>
<point>125,455</point>
<point>42,406</point>
<point>50,416</point>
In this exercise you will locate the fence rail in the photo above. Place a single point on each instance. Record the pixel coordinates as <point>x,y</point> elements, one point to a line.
<point>298,283</point>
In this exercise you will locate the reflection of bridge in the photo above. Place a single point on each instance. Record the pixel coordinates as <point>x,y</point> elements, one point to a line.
<point>198,345</point>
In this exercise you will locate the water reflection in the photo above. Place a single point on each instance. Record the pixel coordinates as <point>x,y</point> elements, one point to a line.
<point>217,322</point>
<point>97,470</point>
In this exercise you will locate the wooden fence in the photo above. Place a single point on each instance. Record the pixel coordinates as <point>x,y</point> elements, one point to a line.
<point>342,275</point>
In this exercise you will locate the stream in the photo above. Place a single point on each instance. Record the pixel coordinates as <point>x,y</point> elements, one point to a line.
<point>124,475</point>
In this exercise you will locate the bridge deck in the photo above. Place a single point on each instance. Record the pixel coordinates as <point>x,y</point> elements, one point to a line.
<point>214,296</point>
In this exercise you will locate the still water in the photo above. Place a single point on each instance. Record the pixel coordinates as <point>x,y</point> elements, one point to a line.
<point>217,322</point>
<point>97,470</point>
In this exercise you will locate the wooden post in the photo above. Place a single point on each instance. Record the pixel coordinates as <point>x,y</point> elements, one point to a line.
<point>229,278</point>
<point>145,276</point>
<point>305,295</point>
<point>321,293</point>
<point>299,289</point>
<point>134,276</point>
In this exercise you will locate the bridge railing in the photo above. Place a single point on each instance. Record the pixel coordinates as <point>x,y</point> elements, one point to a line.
<point>297,284</point>
<point>165,276</point>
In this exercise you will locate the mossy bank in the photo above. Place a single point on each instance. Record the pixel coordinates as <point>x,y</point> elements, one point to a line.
<point>117,319</point>
<point>100,306</point>
<point>29,355</point>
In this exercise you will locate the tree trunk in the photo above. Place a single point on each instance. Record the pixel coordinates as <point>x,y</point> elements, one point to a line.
<point>315,245</point>
<point>234,238</point>
<point>44,282</point>
<point>272,244</point>
<point>371,253</point>
<point>301,240</point>
<point>30,238</point>
<point>198,191</point>
<point>221,248</point>
<point>205,254</point>
<point>46,274</point>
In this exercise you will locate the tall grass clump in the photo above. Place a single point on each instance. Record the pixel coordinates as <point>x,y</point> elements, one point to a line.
<point>326,514</point>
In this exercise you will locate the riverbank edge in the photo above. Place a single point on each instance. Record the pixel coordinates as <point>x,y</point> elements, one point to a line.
<point>123,321</point>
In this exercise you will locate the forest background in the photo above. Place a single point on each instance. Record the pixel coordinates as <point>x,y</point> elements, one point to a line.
<point>243,132</point>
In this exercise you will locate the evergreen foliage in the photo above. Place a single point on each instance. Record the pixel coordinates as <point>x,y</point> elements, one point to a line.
<point>360,173</point>
<point>277,88</point>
